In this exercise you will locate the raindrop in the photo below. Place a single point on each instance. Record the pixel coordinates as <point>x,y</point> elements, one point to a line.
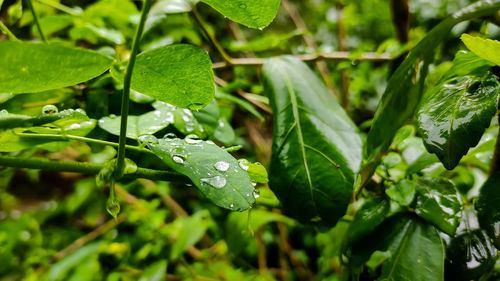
<point>185,118</point>
<point>4,112</point>
<point>232,205</point>
<point>169,136</point>
<point>49,110</point>
<point>222,166</point>
<point>216,182</point>
<point>178,159</point>
<point>244,164</point>
<point>210,142</point>
<point>256,193</point>
<point>254,183</point>
<point>192,139</point>
<point>189,126</point>
<point>148,139</point>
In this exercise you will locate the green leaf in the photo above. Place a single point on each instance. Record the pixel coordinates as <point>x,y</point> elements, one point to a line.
<point>488,208</point>
<point>145,124</point>
<point>184,120</point>
<point>224,132</point>
<point>191,231</point>
<point>404,89</point>
<point>59,270</point>
<point>367,219</point>
<point>316,147</point>
<point>403,192</point>
<point>180,75</point>
<point>34,67</point>
<point>254,14</point>
<point>419,255</point>
<point>256,171</point>
<point>155,272</point>
<point>469,256</point>
<point>485,48</point>
<point>466,63</point>
<point>454,115</point>
<point>438,203</point>
<point>212,170</point>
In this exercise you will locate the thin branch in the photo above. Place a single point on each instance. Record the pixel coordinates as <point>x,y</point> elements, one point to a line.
<point>308,57</point>
<point>120,164</point>
<point>37,22</point>
<point>84,168</point>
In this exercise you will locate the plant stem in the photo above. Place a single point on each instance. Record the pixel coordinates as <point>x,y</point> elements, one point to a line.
<point>6,30</point>
<point>78,138</point>
<point>120,166</point>
<point>495,163</point>
<point>37,22</point>
<point>61,7</point>
<point>84,168</point>
<point>227,58</point>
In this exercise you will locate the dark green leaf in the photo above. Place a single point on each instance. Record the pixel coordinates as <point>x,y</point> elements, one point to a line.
<point>367,219</point>
<point>254,14</point>
<point>469,256</point>
<point>488,207</point>
<point>404,89</point>
<point>485,48</point>
<point>180,75</point>
<point>438,202</point>
<point>213,170</point>
<point>34,67</point>
<point>454,115</point>
<point>316,183</point>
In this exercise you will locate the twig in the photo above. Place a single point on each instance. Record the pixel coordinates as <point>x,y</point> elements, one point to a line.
<point>301,26</point>
<point>261,250</point>
<point>344,76</point>
<point>308,57</point>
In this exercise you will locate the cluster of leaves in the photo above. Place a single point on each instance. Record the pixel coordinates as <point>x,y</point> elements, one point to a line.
<point>355,191</point>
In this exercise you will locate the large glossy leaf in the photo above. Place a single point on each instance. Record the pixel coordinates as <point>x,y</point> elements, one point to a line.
<point>34,67</point>
<point>438,202</point>
<point>454,115</point>
<point>212,170</point>
<point>404,89</point>
<point>488,207</point>
<point>254,14</point>
<point>316,147</point>
<point>177,74</point>
<point>485,48</point>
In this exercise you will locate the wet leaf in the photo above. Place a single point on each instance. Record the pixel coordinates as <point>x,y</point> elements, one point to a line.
<point>179,74</point>
<point>438,202</point>
<point>254,14</point>
<point>34,67</point>
<point>403,192</point>
<point>367,219</point>
<point>488,208</point>
<point>211,169</point>
<point>454,115</point>
<point>145,124</point>
<point>316,183</point>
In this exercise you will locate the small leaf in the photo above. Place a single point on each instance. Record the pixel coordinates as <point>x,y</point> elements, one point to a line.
<point>179,74</point>
<point>155,272</point>
<point>438,203</point>
<point>485,48</point>
<point>316,147</point>
<point>254,14</point>
<point>212,170</point>
<point>256,171</point>
<point>191,231</point>
<point>367,219</point>
<point>454,115</point>
<point>145,124</point>
<point>488,208</point>
<point>34,67</point>
<point>403,192</point>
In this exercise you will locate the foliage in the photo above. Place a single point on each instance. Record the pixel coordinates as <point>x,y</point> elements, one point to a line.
<point>374,120</point>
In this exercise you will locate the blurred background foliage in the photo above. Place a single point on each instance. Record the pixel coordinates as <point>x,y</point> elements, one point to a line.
<point>54,226</point>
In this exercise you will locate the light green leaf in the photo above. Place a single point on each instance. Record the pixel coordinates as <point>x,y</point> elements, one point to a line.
<point>454,115</point>
<point>145,124</point>
<point>180,75</point>
<point>155,272</point>
<point>254,14</point>
<point>403,192</point>
<point>314,185</point>
<point>60,269</point>
<point>191,231</point>
<point>34,67</point>
<point>256,171</point>
<point>212,170</point>
<point>485,48</point>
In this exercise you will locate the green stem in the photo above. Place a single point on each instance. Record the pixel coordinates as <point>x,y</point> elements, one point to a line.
<point>6,30</point>
<point>61,7</point>
<point>84,168</point>
<point>214,41</point>
<point>84,139</point>
<point>37,22</point>
<point>120,166</point>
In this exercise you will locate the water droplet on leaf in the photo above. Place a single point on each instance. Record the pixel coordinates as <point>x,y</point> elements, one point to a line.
<point>113,207</point>
<point>192,139</point>
<point>148,139</point>
<point>222,166</point>
<point>216,182</point>
<point>178,159</point>
<point>49,110</point>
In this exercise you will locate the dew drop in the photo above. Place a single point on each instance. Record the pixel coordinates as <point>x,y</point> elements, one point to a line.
<point>190,126</point>
<point>185,118</point>
<point>169,136</point>
<point>4,112</point>
<point>244,164</point>
<point>254,183</point>
<point>148,139</point>
<point>192,139</point>
<point>178,159</point>
<point>232,205</point>
<point>256,193</point>
<point>216,182</point>
<point>49,110</point>
<point>210,142</point>
<point>222,166</point>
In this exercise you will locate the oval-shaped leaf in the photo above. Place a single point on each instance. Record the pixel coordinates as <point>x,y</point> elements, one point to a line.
<point>485,48</point>
<point>34,67</point>
<point>488,208</point>
<point>438,202</point>
<point>454,115</point>
<point>211,169</point>
<point>177,74</point>
<point>316,147</point>
<point>145,124</point>
<point>254,14</point>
